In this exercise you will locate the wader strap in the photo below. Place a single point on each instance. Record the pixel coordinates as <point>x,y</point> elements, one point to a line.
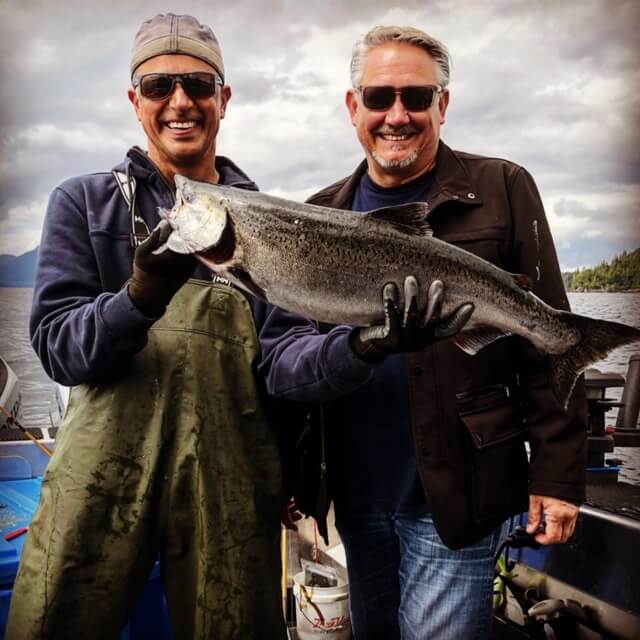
<point>127,185</point>
<point>139,229</point>
<point>115,497</point>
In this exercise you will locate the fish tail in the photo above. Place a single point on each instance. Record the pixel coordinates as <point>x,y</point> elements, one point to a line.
<point>598,338</point>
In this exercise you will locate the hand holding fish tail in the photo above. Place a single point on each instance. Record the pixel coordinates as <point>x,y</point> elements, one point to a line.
<point>405,331</point>
<point>552,520</point>
<point>158,272</point>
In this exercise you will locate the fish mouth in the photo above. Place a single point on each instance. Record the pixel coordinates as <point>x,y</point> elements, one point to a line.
<point>224,249</point>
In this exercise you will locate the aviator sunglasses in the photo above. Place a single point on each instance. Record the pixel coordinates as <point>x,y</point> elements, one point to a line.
<point>159,86</point>
<point>417,98</point>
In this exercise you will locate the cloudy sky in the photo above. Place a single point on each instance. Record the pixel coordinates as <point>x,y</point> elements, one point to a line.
<point>551,85</point>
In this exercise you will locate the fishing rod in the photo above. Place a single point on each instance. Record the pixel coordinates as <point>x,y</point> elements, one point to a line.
<point>11,420</point>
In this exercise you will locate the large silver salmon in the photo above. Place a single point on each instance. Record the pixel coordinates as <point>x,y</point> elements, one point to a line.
<point>331,266</point>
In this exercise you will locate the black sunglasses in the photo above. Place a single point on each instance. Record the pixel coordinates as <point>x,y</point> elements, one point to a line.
<point>159,86</point>
<point>418,98</point>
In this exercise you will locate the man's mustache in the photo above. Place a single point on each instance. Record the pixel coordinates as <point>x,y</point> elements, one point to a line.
<point>405,130</point>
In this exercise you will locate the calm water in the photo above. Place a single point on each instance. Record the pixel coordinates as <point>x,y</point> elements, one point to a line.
<point>38,389</point>
<point>15,348</point>
<point>619,307</point>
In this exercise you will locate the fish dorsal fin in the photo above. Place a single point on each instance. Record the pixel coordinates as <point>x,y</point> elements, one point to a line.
<point>473,340</point>
<point>406,218</point>
<point>523,281</point>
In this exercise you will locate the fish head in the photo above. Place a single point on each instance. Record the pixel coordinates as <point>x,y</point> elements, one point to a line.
<point>198,218</point>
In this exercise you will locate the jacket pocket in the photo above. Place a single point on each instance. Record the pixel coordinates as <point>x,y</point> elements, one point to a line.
<point>486,242</point>
<point>495,435</point>
<point>496,234</point>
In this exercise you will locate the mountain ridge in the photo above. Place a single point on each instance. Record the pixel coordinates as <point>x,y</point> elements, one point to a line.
<point>18,271</point>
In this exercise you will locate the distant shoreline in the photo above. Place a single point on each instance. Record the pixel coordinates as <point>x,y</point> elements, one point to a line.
<point>20,285</point>
<point>603,290</point>
<point>24,285</point>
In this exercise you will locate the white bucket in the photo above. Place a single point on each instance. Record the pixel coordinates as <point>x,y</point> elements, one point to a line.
<point>322,611</point>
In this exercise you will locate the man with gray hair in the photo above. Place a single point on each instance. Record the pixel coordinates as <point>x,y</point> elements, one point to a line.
<point>426,460</point>
<point>165,450</point>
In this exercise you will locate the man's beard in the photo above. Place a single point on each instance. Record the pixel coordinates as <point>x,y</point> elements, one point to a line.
<point>396,164</point>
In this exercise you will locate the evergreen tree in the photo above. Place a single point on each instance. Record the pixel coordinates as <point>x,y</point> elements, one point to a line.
<point>622,273</point>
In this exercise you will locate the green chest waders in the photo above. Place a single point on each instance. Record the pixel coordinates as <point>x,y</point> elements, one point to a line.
<point>175,459</point>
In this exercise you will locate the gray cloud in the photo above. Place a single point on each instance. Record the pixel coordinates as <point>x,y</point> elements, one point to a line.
<point>570,207</point>
<point>589,252</point>
<point>552,86</point>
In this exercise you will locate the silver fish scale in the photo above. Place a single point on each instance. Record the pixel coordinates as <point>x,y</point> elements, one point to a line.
<point>352,263</point>
<point>331,265</point>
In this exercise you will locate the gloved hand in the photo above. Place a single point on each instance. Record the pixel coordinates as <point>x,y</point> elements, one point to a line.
<point>290,514</point>
<point>408,331</point>
<point>157,277</point>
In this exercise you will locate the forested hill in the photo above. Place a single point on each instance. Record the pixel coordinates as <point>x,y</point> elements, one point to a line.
<point>18,271</point>
<point>622,273</point>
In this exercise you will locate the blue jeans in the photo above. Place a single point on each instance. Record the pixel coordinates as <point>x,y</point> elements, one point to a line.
<point>405,583</point>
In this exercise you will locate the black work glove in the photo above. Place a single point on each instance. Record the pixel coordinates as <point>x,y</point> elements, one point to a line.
<point>157,277</point>
<point>409,331</point>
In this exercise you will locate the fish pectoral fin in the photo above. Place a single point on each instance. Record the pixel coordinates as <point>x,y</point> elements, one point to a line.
<point>476,339</point>
<point>406,218</point>
<point>245,281</point>
<point>523,281</point>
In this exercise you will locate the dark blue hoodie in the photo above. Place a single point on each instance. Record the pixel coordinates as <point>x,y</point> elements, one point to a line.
<point>83,325</point>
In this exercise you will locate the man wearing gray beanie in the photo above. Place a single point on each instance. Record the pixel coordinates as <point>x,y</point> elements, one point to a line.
<point>165,451</point>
